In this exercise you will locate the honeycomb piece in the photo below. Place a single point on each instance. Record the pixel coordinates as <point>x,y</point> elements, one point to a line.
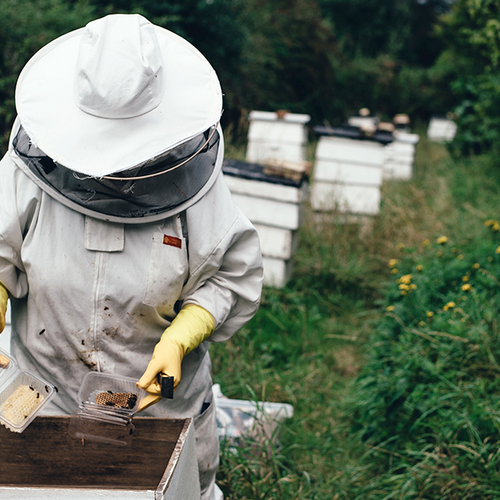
<point>21,403</point>
<point>4,361</point>
<point>117,399</point>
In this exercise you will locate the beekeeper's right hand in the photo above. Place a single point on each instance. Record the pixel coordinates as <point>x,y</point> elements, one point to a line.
<point>4,297</point>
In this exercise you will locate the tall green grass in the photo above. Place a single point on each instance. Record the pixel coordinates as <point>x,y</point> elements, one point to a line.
<point>369,393</point>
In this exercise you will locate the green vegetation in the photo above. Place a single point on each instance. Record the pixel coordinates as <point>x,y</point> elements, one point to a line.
<point>326,58</point>
<point>386,340</point>
<point>394,388</point>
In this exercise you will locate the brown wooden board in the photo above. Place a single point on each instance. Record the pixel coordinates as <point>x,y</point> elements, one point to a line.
<point>45,455</point>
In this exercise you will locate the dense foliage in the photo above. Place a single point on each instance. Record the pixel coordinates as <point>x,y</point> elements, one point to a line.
<point>472,30</point>
<point>327,58</point>
<point>429,394</point>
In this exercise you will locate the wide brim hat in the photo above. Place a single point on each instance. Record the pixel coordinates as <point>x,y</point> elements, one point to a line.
<point>100,103</point>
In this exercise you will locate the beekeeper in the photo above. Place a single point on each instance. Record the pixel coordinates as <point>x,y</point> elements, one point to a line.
<point>121,249</point>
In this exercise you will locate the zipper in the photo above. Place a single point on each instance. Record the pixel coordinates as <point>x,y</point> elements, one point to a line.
<point>99,273</point>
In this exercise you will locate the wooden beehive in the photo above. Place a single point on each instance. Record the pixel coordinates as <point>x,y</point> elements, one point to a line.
<point>347,172</point>
<point>400,155</point>
<point>275,206</point>
<point>275,135</point>
<point>46,463</point>
<point>441,129</point>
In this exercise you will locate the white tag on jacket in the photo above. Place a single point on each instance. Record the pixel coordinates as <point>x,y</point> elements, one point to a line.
<point>102,236</point>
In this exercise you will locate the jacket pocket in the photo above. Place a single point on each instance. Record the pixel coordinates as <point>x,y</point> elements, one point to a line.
<point>168,271</point>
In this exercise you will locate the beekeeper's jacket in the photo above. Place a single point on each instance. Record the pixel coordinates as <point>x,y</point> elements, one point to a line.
<point>93,295</point>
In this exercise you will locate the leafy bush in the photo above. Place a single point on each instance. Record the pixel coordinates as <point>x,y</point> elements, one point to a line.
<point>472,29</point>
<point>27,25</point>
<point>427,401</point>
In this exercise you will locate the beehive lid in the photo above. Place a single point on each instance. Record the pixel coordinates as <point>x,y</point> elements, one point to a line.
<point>255,171</point>
<point>351,132</point>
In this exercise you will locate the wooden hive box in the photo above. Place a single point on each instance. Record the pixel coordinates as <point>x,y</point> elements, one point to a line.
<point>348,172</point>
<point>270,136</point>
<point>46,463</point>
<point>441,129</point>
<point>275,206</point>
<point>400,155</point>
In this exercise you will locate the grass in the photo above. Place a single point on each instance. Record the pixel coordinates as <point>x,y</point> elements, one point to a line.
<point>312,343</point>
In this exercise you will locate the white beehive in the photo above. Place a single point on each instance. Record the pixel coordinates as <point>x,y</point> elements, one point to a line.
<point>347,175</point>
<point>400,155</point>
<point>364,122</point>
<point>441,129</point>
<point>275,207</point>
<point>276,135</point>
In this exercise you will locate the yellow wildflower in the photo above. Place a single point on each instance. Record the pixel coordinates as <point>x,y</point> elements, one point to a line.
<point>421,323</point>
<point>476,266</point>
<point>413,286</point>
<point>497,249</point>
<point>496,227</point>
<point>467,287</point>
<point>449,305</point>
<point>460,257</point>
<point>395,270</point>
<point>400,247</point>
<point>405,279</point>
<point>430,314</point>
<point>465,279</point>
<point>420,268</point>
<point>490,222</point>
<point>442,240</point>
<point>404,286</point>
<point>403,292</point>
<point>390,308</point>
<point>425,242</point>
<point>392,263</point>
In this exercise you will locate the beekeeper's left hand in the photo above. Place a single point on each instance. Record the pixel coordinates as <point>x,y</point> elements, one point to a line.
<point>4,297</point>
<point>188,330</point>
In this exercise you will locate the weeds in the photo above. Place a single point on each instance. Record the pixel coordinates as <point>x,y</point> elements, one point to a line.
<point>394,394</point>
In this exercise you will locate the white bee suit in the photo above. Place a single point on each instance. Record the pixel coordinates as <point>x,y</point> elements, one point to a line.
<point>94,295</point>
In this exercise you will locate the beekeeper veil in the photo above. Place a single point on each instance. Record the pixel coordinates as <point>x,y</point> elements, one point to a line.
<point>120,120</point>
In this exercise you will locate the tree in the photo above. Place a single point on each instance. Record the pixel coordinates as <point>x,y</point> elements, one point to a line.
<point>472,29</point>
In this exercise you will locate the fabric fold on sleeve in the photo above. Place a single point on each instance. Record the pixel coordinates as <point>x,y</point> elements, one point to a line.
<point>19,202</point>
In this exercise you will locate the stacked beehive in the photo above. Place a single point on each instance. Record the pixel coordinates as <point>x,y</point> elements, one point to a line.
<point>441,129</point>
<point>275,206</point>
<point>271,199</point>
<point>348,170</point>
<point>280,135</point>
<point>399,156</point>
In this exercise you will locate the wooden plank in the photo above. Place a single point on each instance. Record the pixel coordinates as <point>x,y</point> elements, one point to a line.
<point>259,189</point>
<point>259,151</point>
<point>270,212</point>
<point>350,151</point>
<point>347,173</point>
<point>277,242</point>
<point>344,198</point>
<point>45,455</point>
<point>276,271</point>
<point>272,116</point>
<point>277,131</point>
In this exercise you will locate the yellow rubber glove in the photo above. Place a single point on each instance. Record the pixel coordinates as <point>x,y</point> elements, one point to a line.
<point>4,297</point>
<point>188,330</point>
